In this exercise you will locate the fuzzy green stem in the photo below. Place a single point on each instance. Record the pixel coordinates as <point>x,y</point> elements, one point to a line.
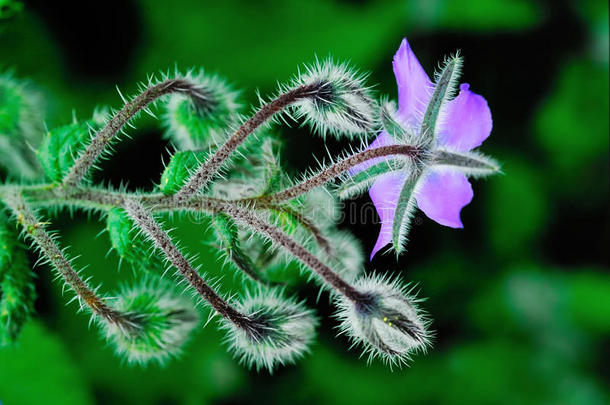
<point>35,230</point>
<point>245,217</point>
<point>102,139</point>
<point>337,169</point>
<point>209,168</point>
<point>163,242</point>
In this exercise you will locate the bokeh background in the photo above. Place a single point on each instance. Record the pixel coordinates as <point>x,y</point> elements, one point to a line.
<point>520,298</point>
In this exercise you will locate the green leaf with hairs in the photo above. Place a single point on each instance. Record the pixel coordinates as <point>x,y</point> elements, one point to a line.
<point>470,163</point>
<point>61,147</point>
<point>17,293</point>
<point>227,234</point>
<point>179,169</point>
<point>444,88</point>
<point>360,182</point>
<point>402,215</point>
<point>128,244</point>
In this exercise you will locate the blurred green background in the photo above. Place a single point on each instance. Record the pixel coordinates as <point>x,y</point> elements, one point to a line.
<point>520,298</point>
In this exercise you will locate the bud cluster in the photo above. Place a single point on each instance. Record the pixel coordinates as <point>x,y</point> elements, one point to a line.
<point>226,172</point>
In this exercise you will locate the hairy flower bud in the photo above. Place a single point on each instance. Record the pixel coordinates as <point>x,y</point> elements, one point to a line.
<point>162,322</point>
<point>61,146</point>
<point>278,330</point>
<point>339,102</point>
<point>386,320</point>
<point>198,120</point>
<point>128,244</point>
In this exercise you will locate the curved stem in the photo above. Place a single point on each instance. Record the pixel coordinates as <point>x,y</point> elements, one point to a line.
<point>35,230</point>
<point>100,142</point>
<point>209,168</point>
<point>162,240</point>
<point>330,277</point>
<point>336,170</point>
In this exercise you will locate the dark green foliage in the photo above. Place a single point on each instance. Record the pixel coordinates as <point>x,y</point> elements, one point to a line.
<point>178,170</point>
<point>130,245</point>
<point>61,146</point>
<point>17,292</point>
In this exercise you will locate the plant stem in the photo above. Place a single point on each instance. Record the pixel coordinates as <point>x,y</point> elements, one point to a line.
<point>209,168</point>
<point>336,170</point>
<point>100,142</point>
<point>278,236</point>
<point>162,240</point>
<point>35,230</point>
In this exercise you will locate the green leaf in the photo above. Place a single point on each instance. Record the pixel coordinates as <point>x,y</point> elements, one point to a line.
<point>179,169</point>
<point>227,234</point>
<point>470,163</point>
<point>61,147</point>
<point>360,182</point>
<point>390,124</point>
<point>17,293</point>
<point>129,245</point>
<point>403,213</point>
<point>444,88</point>
<point>40,369</point>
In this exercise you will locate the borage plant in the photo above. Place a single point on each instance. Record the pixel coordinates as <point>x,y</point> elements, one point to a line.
<point>226,168</point>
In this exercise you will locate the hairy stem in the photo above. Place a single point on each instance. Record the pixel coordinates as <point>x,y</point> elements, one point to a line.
<point>100,142</point>
<point>209,168</point>
<point>278,236</point>
<point>162,240</point>
<point>337,169</point>
<point>35,230</point>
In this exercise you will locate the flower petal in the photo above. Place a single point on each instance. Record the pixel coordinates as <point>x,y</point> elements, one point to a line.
<point>442,195</point>
<point>384,193</point>
<point>467,121</point>
<point>383,139</point>
<point>414,85</point>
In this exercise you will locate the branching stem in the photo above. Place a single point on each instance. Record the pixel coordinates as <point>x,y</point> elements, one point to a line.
<point>162,240</point>
<point>336,170</point>
<point>35,230</point>
<point>209,168</point>
<point>244,216</point>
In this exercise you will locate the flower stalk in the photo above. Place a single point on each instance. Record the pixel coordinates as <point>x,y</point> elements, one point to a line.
<point>99,143</point>
<point>34,229</point>
<point>210,168</point>
<point>163,242</point>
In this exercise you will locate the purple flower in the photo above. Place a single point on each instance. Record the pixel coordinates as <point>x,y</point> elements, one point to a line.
<point>441,188</point>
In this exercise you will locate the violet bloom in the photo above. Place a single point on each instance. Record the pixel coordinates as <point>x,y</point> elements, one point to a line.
<point>440,187</point>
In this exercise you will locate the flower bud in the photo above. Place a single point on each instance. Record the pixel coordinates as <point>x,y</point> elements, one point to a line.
<point>386,320</point>
<point>61,146</point>
<point>162,322</point>
<point>199,119</point>
<point>339,102</point>
<point>277,331</point>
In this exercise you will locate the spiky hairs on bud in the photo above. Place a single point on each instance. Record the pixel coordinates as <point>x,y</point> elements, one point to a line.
<point>340,103</point>
<point>386,321</point>
<point>280,330</point>
<point>163,321</point>
<point>129,244</point>
<point>20,127</point>
<point>199,122</point>
<point>345,256</point>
